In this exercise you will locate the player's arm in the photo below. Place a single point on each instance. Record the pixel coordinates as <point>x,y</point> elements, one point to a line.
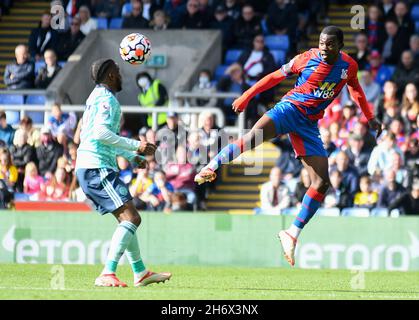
<point>138,160</point>
<point>270,80</point>
<point>358,96</point>
<point>103,133</point>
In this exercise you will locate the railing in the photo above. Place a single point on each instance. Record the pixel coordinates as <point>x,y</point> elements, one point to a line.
<point>219,95</point>
<point>25,92</point>
<point>154,111</point>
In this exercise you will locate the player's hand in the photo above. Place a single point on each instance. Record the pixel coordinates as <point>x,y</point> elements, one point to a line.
<point>240,104</point>
<point>140,162</point>
<point>146,148</point>
<point>376,126</point>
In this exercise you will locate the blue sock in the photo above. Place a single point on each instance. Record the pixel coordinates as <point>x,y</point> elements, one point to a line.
<point>227,154</point>
<point>311,202</point>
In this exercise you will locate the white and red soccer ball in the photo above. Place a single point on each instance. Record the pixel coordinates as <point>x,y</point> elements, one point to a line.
<point>135,48</point>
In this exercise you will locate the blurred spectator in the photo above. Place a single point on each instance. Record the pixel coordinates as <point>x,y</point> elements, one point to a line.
<point>371,89</point>
<point>381,157</point>
<point>224,23</point>
<point>380,72</point>
<point>127,8</point>
<point>125,170</point>
<point>62,125</point>
<point>169,137</point>
<point>396,127</point>
<point>192,18</point>
<point>49,72</point>
<point>139,185</point>
<point>180,174</point>
<point>328,145</point>
<point>6,195</point>
<point>338,194</point>
<point>233,8</point>
<point>212,137</point>
<point>402,16</point>
<point>149,8</point>
<point>34,135</point>
<point>136,20</point>
<point>408,203</point>
<point>42,38</point>
<point>282,18</point>
<point>388,98</point>
<point>390,190</point>
<point>414,47</point>
<point>8,172</point>
<point>107,9</point>
<point>289,165</point>
<point>33,181</point>
<point>22,153</point>
<point>257,62</point>
<point>180,203</point>
<point>301,187</point>
<point>349,173</point>
<point>335,138</point>
<point>274,195</point>
<point>48,152</point>
<point>234,82</point>
<point>152,94</point>
<point>375,28</point>
<point>21,73</point>
<point>207,11</point>
<point>362,130</point>
<point>412,157</point>
<point>160,21</point>
<point>403,175</point>
<point>246,27</point>
<point>406,71</point>
<point>387,7</point>
<point>7,132</point>
<point>173,8</point>
<point>358,154</point>
<point>69,40</point>
<point>366,197</point>
<point>410,108</point>
<point>204,86</point>
<point>54,187</point>
<point>158,195</point>
<point>87,23</point>
<point>72,6</point>
<point>395,43</point>
<point>362,52</point>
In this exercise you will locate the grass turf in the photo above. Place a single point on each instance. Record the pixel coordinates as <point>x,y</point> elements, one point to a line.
<point>18,281</point>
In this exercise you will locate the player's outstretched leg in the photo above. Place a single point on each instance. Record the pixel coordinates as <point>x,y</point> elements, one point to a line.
<point>318,169</point>
<point>236,148</point>
<point>142,276</point>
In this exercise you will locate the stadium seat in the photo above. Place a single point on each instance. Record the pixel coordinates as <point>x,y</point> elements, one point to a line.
<point>35,99</point>
<point>355,212</point>
<point>279,56</point>
<point>290,211</point>
<point>277,42</point>
<point>232,56</point>
<point>62,63</point>
<point>265,29</point>
<point>36,116</point>
<point>13,117</point>
<point>384,73</point>
<point>219,71</point>
<point>328,212</point>
<point>116,23</point>
<point>417,26</point>
<point>415,12</point>
<point>102,23</point>
<point>379,212</point>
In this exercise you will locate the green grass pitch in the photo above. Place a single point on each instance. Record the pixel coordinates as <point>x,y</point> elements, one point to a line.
<point>18,281</point>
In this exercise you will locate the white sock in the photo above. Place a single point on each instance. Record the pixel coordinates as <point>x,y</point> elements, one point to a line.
<point>134,258</point>
<point>120,240</point>
<point>294,231</point>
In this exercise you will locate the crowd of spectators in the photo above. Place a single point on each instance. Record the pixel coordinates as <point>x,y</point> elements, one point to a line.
<point>364,173</point>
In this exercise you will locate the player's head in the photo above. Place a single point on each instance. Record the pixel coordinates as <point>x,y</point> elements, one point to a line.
<point>330,43</point>
<point>106,71</point>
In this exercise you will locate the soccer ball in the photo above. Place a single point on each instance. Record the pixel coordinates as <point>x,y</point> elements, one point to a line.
<point>135,48</point>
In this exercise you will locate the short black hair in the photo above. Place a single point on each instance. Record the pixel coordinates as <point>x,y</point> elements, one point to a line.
<point>334,31</point>
<point>99,69</point>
